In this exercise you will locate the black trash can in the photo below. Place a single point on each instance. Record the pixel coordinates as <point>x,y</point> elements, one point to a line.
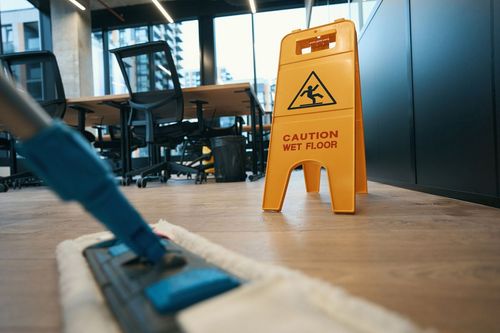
<point>229,158</point>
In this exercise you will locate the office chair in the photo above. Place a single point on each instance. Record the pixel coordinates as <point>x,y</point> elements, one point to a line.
<point>108,144</point>
<point>157,107</point>
<point>37,73</point>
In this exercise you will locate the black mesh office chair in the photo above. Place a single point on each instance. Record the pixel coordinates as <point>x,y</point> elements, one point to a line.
<point>37,73</point>
<point>158,108</point>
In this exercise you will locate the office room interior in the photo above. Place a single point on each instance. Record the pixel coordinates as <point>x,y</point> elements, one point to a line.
<point>249,166</point>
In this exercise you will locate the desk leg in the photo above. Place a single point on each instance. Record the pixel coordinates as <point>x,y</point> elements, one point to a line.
<point>12,155</point>
<point>81,120</point>
<point>257,157</point>
<point>125,141</point>
<point>255,171</point>
<point>261,143</point>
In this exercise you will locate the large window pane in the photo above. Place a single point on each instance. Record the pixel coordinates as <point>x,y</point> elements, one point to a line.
<point>267,48</point>
<point>20,26</point>
<point>324,14</point>
<point>183,39</point>
<point>120,38</point>
<point>233,41</point>
<point>367,9</point>
<point>98,63</point>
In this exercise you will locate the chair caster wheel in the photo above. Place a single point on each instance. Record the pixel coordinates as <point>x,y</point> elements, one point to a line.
<point>142,183</point>
<point>163,179</point>
<point>4,188</point>
<point>126,181</point>
<point>201,177</point>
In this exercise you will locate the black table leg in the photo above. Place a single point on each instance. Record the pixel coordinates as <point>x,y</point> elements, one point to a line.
<point>257,145</point>
<point>261,143</point>
<point>125,141</point>
<point>12,154</point>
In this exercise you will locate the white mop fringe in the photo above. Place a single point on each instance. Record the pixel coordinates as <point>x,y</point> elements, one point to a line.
<point>85,309</point>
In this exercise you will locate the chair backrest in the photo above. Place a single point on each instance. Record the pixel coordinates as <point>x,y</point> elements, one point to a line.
<point>152,80</point>
<point>37,73</point>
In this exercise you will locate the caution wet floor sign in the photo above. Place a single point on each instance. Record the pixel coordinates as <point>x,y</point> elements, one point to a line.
<point>317,120</point>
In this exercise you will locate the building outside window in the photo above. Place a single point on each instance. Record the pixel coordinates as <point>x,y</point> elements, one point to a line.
<point>20,26</point>
<point>31,36</point>
<point>119,38</point>
<point>183,39</point>
<point>7,38</point>
<point>21,32</point>
<point>180,36</point>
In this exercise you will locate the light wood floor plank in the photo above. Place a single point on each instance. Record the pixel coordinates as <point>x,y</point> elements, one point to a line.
<point>433,259</point>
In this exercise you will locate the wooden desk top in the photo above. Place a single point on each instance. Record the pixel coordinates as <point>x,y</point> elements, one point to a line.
<point>223,100</point>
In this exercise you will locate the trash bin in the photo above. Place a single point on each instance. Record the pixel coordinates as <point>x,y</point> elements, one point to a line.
<point>229,158</point>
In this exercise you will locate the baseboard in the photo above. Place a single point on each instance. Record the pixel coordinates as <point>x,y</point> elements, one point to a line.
<point>465,196</point>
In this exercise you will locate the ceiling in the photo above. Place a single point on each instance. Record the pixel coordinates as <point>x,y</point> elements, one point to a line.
<point>96,5</point>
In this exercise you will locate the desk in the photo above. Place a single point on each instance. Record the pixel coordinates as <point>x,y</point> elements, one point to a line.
<point>235,99</point>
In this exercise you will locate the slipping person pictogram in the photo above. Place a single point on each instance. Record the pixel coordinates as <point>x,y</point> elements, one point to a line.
<point>316,94</point>
<point>309,91</point>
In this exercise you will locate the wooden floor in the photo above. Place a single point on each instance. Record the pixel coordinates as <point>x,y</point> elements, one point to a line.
<point>433,259</point>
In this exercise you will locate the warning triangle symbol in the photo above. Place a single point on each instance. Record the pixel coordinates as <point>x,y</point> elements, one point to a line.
<point>312,93</point>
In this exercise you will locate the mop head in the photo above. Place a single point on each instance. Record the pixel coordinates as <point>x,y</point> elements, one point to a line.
<point>274,299</point>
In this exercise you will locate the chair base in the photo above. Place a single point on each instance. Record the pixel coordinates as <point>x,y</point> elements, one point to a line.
<point>162,172</point>
<point>18,181</point>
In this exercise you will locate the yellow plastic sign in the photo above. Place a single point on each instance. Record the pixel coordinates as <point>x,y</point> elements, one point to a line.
<point>317,119</point>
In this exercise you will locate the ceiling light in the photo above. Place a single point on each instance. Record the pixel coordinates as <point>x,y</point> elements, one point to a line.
<point>163,11</point>
<point>252,6</point>
<point>164,69</point>
<point>77,4</point>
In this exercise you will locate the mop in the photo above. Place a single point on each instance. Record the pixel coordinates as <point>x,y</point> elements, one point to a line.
<point>273,299</point>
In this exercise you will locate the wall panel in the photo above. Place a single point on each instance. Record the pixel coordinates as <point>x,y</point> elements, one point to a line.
<point>454,119</point>
<point>385,80</point>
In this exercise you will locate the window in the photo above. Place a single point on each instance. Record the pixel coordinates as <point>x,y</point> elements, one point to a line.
<point>367,7</point>
<point>267,48</point>
<point>20,26</point>
<point>324,13</point>
<point>98,63</point>
<point>183,39</point>
<point>233,45</point>
<point>355,10</point>
<point>31,36</point>
<point>120,38</point>
<point>7,39</point>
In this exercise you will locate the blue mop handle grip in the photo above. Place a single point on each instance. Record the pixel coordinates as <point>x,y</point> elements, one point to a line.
<point>63,159</point>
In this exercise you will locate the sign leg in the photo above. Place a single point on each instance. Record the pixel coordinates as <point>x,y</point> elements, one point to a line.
<point>312,176</point>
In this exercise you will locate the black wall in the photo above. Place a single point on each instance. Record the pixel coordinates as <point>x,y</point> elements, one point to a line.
<point>429,71</point>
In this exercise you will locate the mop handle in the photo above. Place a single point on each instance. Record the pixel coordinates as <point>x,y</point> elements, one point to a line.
<point>67,163</point>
